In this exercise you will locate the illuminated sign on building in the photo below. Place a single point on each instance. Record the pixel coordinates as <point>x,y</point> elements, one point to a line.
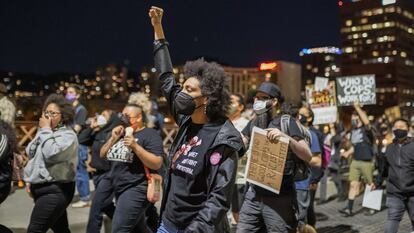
<point>268,66</point>
<point>387,2</point>
<point>332,50</point>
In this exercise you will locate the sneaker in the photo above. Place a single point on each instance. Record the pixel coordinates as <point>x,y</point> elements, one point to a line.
<point>81,204</point>
<point>370,212</point>
<point>347,212</point>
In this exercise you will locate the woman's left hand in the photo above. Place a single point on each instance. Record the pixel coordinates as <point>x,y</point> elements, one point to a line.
<point>44,122</point>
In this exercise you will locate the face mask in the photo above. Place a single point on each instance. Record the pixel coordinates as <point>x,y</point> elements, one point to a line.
<point>354,123</point>
<point>261,106</point>
<point>101,120</point>
<point>124,120</point>
<point>400,133</point>
<point>303,119</point>
<point>185,104</point>
<point>232,110</point>
<point>70,97</point>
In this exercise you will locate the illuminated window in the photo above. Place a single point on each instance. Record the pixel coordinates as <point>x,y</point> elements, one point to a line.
<point>308,66</point>
<point>364,34</point>
<point>369,41</point>
<point>394,52</point>
<point>348,23</point>
<point>403,54</point>
<point>348,50</point>
<point>375,53</point>
<point>355,36</point>
<point>364,20</point>
<point>374,26</point>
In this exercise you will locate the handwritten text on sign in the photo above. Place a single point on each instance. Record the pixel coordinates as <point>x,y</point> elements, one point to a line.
<point>351,89</point>
<point>266,161</point>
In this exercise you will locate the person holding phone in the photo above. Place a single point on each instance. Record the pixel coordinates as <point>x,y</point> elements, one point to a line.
<point>50,172</point>
<point>130,150</point>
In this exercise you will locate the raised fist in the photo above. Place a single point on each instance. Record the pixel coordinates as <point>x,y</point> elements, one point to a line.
<point>155,13</point>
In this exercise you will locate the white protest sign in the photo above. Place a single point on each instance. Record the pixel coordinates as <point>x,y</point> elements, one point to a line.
<point>372,198</point>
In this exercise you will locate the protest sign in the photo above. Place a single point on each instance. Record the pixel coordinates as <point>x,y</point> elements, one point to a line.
<point>266,161</point>
<point>372,198</point>
<point>351,89</point>
<point>322,102</point>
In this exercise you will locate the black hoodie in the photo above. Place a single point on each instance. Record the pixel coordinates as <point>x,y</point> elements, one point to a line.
<point>97,139</point>
<point>398,167</point>
<point>197,190</point>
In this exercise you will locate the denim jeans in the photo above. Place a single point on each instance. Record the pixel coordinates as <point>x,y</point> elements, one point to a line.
<point>82,176</point>
<point>303,199</point>
<point>164,229</point>
<point>396,208</point>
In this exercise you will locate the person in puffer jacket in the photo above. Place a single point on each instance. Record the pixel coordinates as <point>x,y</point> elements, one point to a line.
<point>50,172</point>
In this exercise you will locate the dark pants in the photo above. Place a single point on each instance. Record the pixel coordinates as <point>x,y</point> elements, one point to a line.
<point>130,210</point>
<point>276,213</point>
<point>396,208</point>
<point>311,210</point>
<point>51,201</point>
<point>101,203</point>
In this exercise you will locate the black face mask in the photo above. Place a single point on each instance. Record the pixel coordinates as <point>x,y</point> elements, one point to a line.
<point>303,119</point>
<point>185,104</point>
<point>354,123</point>
<point>124,120</point>
<point>400,133</point>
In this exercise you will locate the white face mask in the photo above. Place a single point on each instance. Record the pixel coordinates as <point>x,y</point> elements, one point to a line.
<point>261,106</point>
<point>101,120</point>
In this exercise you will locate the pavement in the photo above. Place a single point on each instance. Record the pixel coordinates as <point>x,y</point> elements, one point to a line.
<point>15,214</point>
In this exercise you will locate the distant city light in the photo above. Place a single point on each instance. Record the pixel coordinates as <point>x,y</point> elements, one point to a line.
<point>340,3</point>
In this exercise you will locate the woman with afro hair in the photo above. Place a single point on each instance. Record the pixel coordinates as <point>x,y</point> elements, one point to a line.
<point>202,161</point>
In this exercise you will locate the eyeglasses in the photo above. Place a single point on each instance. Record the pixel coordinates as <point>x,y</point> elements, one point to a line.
<point>51,113</point>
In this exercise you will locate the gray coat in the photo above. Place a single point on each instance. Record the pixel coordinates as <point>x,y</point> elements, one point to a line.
<point>53,156</point>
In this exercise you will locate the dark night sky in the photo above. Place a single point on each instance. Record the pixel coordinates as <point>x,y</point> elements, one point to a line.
<point>77,36</point>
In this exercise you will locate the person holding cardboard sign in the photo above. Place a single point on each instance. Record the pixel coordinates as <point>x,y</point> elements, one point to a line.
<point>264,210</point>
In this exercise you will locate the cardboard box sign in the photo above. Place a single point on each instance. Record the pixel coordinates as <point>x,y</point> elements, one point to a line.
<point>321,98</point>
<point>356,88</point>
<point>266,161</point>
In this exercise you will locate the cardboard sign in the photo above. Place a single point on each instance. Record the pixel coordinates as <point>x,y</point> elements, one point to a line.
<point>266,161</point>
<point>372,198</point>
<point>322,103</point>
<point>356,88</point>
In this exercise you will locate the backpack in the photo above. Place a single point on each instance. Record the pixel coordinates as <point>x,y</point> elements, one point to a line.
<point>301,168</point>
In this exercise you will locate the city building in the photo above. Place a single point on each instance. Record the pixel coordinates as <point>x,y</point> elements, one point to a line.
<point>378,38</point>
<point>320,62</point>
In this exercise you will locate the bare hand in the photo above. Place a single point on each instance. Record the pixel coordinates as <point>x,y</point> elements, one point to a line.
<point>274,134</point>
<point>89,168</point>
<point>44,122</point>
<point>117,132</point>
<point>94,123</point>
<point>357,105</point>
<point>373,187</point>
<point>130,141</point>
<point>156,13</point>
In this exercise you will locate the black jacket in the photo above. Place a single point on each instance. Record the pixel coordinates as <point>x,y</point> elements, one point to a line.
<point>398,167</point>
<point>220,179</point>
<point>96,139</point>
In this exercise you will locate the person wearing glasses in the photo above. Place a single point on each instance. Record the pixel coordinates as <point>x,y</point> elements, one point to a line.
<point>262,210</point>
<point>50,172</point>
<point>202,162</point>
